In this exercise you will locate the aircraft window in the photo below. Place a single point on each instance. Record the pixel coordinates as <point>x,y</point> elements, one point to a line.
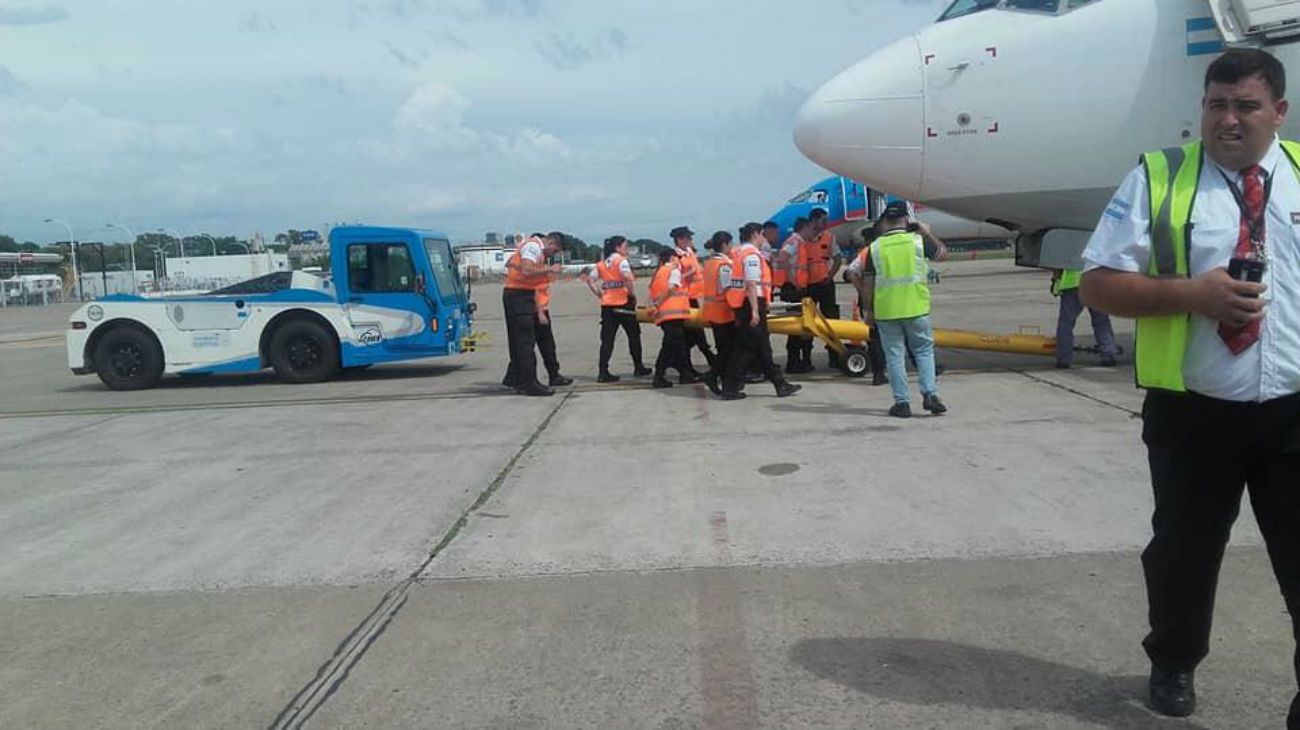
<point>1042,6</point>
<point>1072,4</point>
<point>802,197</point>
<point>966,7</point>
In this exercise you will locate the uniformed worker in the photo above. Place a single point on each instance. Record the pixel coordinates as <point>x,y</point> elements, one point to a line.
<point>750,302</point>
<point>1218,354</point>
<point>714,308</point>
<point>546,338</point>
<point>670,304</point>
<point>853,275</point>
<point>615,286</point>
<point>1065,285</point>
<point>798,349</point>
<point>693,279</point>
<point>526,273</point>
<point>894,283</point>
<point>821,262</point>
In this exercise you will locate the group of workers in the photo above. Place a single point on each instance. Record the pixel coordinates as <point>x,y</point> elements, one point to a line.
<point>1217,337</point>
<point>733,287</point>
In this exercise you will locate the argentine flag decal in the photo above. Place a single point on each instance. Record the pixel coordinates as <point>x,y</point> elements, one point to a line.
<point>1203,37</point>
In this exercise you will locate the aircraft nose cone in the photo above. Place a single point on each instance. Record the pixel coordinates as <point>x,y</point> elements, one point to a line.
<point>867,123</point>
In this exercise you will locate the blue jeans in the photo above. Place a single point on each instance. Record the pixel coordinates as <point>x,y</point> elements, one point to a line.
<point>897,336</point>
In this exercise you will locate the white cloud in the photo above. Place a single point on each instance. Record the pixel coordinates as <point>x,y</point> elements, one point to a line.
<point>455,114</point>
<point>32,16</point>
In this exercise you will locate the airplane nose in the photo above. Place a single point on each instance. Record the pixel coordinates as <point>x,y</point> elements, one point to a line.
<point>867,123</point>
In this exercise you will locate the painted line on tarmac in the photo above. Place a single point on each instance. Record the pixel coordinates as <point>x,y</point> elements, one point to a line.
<point>726,674</point>
<point>331,675</point>
<point>31,343</point>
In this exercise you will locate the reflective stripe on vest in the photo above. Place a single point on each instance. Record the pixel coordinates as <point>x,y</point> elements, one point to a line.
<point>517,279</point>
<point>1172,178</point>
<point>613,287</point>
<point>670,304</point>
<point>900,290</point>
<point>717,278</point>
<point>1069,279</point>
<point>544,296</point>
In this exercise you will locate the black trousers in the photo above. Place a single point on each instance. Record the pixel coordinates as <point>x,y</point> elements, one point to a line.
<point>1203,452</point>
<point>610,321</point>
<point>876,353</point>
<point>724,338</point>
<point>672,353</point>
<point>695,338</point>
<point>752,344</point>
<point>521,334</point>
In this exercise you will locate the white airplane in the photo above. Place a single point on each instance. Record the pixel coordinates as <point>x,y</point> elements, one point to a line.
<point>1027,113</point>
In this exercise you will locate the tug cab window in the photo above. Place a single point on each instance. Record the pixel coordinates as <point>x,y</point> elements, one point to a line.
<point>380,268</point>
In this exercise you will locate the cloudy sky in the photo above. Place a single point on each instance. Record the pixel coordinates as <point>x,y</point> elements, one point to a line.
<point>463,115</point>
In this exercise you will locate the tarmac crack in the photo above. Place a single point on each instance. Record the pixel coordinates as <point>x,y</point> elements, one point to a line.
<point>1079,393</point>
<point>334,672</point>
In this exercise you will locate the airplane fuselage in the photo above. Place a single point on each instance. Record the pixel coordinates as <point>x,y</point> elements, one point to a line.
<point>1018,116</point>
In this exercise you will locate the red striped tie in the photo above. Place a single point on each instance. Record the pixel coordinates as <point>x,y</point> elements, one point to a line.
<point>1240,338</point>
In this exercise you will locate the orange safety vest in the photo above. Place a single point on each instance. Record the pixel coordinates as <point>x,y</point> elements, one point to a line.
<point>669,304</point>
<point>779,275</point>
<point>814,265</point>
<point>692,274</point>
<point>736,294</point>
<point>714,305</point>
<point>517,279</point>
<point>613,287</point>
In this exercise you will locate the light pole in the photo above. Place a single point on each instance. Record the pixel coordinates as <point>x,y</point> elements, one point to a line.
<point>177,236</point>
<point>135,287</point>
<point>72,242</point>
<point>211,239</point>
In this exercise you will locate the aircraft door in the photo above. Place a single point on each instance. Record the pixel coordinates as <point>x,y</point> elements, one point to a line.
<point>855,199</point>
<point>1257,21</point>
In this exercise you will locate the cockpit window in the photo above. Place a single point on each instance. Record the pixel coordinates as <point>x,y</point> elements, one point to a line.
<point>1042,6</point>
<point>966,7</point>
<point>801,197</point>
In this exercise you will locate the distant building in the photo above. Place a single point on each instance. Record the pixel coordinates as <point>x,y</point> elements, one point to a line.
<point>476,260</point>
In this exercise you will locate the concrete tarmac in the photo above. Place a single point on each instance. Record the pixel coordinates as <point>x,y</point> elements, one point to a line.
<point>413,546</point>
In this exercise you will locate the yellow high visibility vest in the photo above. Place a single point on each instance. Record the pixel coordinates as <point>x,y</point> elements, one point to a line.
<point>1172,175</point>
<point>901,291</point>
<point>1069,279</point>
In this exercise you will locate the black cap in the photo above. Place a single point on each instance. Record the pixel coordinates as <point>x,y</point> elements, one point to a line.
<point>681,232</point>
<point>895,210</point>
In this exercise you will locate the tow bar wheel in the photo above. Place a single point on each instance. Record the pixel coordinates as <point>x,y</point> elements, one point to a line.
<point>856,362</point>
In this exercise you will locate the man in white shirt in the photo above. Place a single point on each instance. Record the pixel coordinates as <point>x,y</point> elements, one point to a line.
<point>526,273</point>
<point>1219,354</point>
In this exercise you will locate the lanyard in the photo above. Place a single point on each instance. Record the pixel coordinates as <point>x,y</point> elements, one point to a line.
<point>1254,224</point>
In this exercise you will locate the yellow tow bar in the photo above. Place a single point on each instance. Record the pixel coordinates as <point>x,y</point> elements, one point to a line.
<point>848,337</point>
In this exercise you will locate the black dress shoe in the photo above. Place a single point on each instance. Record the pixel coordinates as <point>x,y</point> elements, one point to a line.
<point>534,389</point>
<point>661,382</point>
<point>690,378</point>
<point>607,378</point>
<point>559,381</point>
<point>711,380</point>
<point>786,389</point>
<point>1172,692</point>
<point>754,377</point>
<point>641,372</point>
<point>733,395</point>
<point>880,379</point>
<point>509,383</point>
